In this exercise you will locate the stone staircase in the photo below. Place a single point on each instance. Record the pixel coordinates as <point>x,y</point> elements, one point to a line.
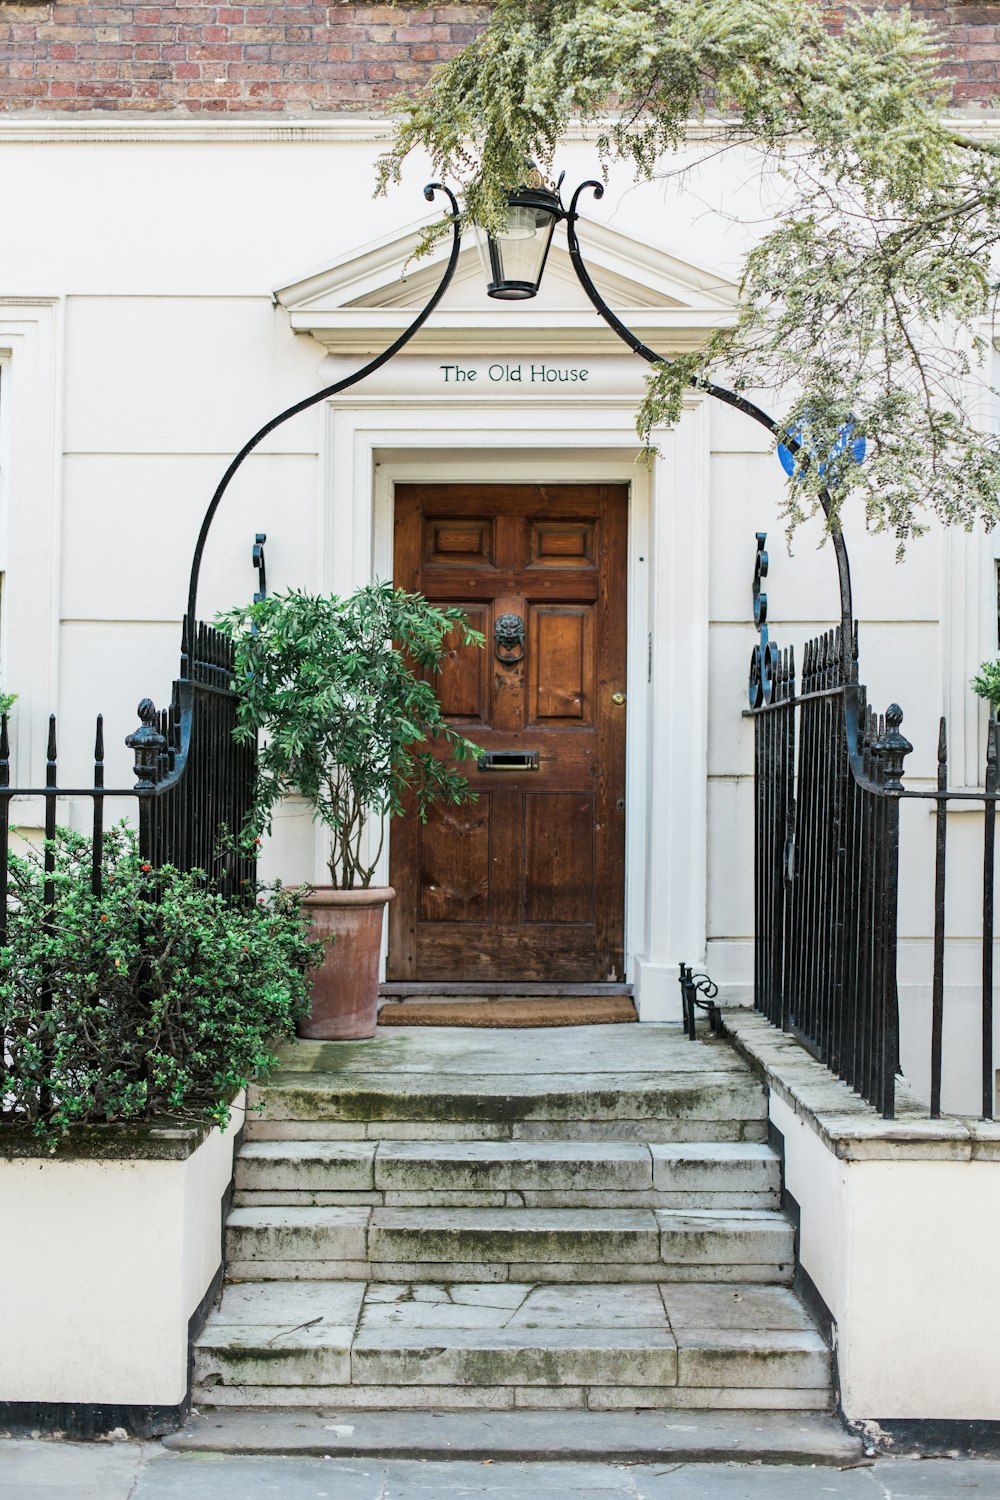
<point>575,1219</point>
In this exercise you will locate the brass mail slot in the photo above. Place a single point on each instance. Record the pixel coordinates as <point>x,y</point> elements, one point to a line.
<point>509,760</point>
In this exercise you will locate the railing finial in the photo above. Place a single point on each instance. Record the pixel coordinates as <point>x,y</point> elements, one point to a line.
<point>894,747</point>
<point>148,744</point>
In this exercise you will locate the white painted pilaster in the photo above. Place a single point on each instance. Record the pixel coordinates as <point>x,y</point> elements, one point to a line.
<point>968,637</point>
<point>675,895</point>
<point>30,341</point>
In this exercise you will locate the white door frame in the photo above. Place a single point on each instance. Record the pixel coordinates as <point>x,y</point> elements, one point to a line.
<point>374,441</point>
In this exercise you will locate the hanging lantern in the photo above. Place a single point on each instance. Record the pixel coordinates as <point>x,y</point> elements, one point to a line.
<point>514,259</point>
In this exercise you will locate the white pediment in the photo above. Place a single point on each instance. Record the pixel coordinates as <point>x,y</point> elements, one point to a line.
<point>362,301</point>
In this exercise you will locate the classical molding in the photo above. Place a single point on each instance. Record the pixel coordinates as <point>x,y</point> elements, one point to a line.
<point>125,131</point>
<point>122,129</point>
<point>361,301</point>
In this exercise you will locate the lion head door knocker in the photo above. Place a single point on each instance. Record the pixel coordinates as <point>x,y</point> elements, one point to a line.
<point>508,639</point>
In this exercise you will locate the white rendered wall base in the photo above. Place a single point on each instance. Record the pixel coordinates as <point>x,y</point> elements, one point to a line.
<point>898,1233</point>
<point>108,1263</point>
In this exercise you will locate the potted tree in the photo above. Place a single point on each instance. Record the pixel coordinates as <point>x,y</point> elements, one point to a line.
<point>987,685</point>
<point>340,691</point>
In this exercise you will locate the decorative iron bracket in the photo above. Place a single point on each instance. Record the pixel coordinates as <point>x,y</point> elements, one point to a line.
<point>258,562</point>
<point>692,985</point>
<point>764,660</point>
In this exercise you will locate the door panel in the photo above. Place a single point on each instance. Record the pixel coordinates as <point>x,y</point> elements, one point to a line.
<point>455,863</point>
<point>558,857</point>
<point>561,664</point>
<point>528,883</point>
<point>463,684</point>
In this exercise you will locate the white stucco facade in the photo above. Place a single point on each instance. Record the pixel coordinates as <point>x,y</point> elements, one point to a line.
<point>175,284</point>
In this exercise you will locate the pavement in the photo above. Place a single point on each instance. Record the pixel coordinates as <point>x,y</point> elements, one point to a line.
<point>50,1470</point>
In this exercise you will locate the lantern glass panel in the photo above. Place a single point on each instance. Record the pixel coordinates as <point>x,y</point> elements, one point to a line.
<point>514,259</point>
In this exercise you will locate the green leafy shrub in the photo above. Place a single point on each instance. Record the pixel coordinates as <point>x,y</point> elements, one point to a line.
<point>987,683</point>
<point>7,701</point>
<point>342,690</point>
<point>158,998</point>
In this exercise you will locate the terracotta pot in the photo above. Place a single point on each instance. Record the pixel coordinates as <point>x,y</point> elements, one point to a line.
<point>345,987</point>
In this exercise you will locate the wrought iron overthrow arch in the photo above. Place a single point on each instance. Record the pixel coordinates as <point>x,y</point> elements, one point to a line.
<point>330,390</point>
<point>719,392</point>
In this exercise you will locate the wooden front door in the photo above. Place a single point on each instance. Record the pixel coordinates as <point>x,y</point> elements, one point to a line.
<point>528,882</point>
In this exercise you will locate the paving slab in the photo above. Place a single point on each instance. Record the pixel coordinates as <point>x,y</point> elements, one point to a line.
<point>38,1470</point>
<point>937,1479</point>
<point>597,1305</point>
<point>471,1049</point>
<point>289,1303</point>
<point>304,1479</point>
<point>488,1294</point>
<point>702,1305</point>
<point>68,1471</point>
<point>405,1310</point>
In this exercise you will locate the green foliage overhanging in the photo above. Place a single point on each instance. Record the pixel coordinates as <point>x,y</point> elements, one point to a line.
<point>158,998</point>
<point>342,691</point>
<point>870,296</point>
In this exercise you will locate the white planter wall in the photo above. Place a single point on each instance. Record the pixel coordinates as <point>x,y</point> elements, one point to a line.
<point>903,1251</point>
<point>102,1265</point>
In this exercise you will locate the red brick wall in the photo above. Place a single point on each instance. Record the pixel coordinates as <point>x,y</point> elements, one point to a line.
<point>189,58</point>
<point>972,38</point>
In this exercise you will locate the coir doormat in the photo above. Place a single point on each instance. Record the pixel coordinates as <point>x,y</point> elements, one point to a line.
<point>572,1011</point>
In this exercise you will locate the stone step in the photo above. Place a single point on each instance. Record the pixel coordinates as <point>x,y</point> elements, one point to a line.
<point>530,1174</point>
<point>598,1346</point>
<point>798,1438</point>
<point>499,1244</point>
<point>725,1100</point>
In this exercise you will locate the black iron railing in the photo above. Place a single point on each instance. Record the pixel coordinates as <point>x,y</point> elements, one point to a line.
<point>828,788</point>
<point>194,783</point>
